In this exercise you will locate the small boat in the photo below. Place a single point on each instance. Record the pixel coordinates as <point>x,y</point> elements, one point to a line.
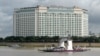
<point>14,46</point>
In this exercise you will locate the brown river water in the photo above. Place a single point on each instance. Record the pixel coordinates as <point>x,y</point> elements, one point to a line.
<point>6,51</point>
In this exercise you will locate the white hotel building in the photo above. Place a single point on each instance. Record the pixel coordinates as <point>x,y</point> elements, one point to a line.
<point>50,21</point>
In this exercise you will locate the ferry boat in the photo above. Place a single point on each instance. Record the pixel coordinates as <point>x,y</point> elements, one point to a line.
<point>62,48</point>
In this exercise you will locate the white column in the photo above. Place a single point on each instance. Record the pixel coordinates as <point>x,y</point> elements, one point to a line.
<point>36,23</point>
<point>62,43</point>
<point>70,45</point>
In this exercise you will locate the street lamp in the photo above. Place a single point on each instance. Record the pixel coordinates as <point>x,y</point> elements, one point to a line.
<point>68,35</point>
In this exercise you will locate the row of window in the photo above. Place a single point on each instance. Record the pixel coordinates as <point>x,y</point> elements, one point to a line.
<point>69,14</point>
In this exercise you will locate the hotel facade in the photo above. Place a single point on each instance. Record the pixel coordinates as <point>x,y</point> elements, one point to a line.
<point>50,21</point>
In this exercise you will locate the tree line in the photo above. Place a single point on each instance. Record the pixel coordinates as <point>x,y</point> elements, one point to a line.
<point>30,39</point>
<point>47,39</point>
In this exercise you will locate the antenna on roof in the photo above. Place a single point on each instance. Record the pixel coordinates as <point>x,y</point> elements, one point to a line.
<point>75,3</point>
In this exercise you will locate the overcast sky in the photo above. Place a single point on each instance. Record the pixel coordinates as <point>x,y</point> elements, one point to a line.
<point>7,6</point>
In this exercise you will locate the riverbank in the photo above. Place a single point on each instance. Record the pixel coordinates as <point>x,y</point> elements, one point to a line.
<point>32,45</point>
<point>56,44</point>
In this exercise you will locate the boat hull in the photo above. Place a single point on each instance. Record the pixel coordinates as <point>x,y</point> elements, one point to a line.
<point>81,50</point>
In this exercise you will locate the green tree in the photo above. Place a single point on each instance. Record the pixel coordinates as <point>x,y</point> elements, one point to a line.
<point>30,39</point>
<point>9,39</point>
<point>19,39</point>
<point>1,39</point>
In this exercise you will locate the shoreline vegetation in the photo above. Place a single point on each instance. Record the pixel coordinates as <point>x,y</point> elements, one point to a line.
<point>37,45</point>
<point>42,41</point>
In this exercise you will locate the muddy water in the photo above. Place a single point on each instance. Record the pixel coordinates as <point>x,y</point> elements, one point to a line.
<point>6,51</point>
